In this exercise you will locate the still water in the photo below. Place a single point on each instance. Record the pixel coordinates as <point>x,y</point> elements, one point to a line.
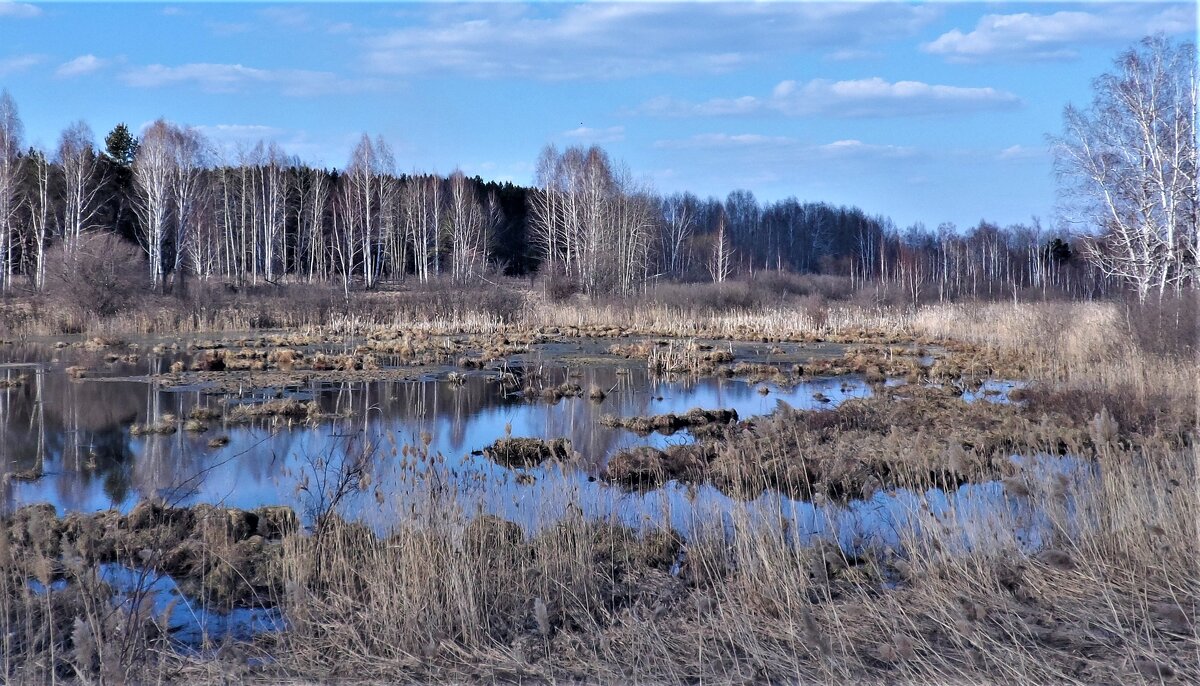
<point>76,435</point>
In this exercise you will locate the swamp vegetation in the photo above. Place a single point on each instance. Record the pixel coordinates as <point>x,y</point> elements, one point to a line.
<point>952,493</point>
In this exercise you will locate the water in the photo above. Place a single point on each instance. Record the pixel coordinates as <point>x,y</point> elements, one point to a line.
<point>424,439</point>
<point>191,625</point>
<point>76,434</point>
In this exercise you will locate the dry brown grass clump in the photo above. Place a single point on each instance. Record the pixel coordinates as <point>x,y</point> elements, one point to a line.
<point>78,632</point>
<point>670,423</point>
<point>529,452</point>
<point>165,424</point>
<point>286,408</point>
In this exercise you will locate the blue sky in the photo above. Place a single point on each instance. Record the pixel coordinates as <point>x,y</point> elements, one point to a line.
<point>923,112</point>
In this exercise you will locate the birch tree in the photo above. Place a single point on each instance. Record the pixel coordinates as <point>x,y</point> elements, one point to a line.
<point>153,176</point>
<point>465,226</point>
<point>82,182</point>
<point>361,207</point>
<point>720,263</point>
<point>1128,164</point>
<point>188,158</point>
<point>678,222</point>
<point>423,220</point>
<point>11,132</point>
<point>38,206</point>
<point>312,195</point>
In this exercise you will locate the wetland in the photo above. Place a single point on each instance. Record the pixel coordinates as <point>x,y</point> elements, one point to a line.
<point>242,499</point>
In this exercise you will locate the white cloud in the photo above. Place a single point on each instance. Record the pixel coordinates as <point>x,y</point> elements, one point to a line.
<point>1061,34</point>
<point>621,40</point>
<point>787,147</point>
<point>17,63</point>
<point>18,10</point>
<point>586,134</point>
<point>873,97</point>
<point>234,78</point>
<point>852,148</point>
<point>709,141</point>
<point>287,17</point>
<point>853,54</point>
<point>80,66</point>
<point>1020,152</point>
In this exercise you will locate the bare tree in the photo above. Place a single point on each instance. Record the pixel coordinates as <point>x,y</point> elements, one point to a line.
<point>423,220</point>
<point>465,225</point>
<point>312,203</point>
<point>272,181</point>
<point>38,205</point>
<point>679,221</point>
<point>720,263</point>
<point>82,181</point>
<point>11,132</point>
<point>1129,162</point>
<point>153,176</point>
<point>364,200</point>
<point>545,207</point>
<point>190,152</point>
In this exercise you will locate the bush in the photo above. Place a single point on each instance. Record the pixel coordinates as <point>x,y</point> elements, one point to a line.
<point>558,285</point>
<point>1165,327</point>
<point>105,276</point>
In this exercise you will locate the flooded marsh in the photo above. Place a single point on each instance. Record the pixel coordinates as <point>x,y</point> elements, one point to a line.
<point>620,481</point>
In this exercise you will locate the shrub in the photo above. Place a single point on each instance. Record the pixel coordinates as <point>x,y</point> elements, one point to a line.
<point>1165,327</point>
<point>558,285</point>
<point>105,276</point>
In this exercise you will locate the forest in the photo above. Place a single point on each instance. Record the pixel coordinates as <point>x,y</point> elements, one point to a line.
<point>586,224</point>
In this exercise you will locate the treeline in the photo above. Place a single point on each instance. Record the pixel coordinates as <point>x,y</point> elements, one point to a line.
<point>587,224</point>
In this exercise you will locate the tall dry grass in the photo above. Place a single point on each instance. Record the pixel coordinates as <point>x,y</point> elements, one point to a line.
<point>1111,594</point>
<point>1086,346</point>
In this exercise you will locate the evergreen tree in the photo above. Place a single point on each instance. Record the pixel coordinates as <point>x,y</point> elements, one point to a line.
<point>121,145</point>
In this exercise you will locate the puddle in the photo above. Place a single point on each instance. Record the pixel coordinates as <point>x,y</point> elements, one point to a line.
<point>191,625</point>
<point>189,622</point>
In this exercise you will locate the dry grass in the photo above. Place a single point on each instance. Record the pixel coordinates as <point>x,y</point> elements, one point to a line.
<point>1111,596</point>
<point>1107,592</point>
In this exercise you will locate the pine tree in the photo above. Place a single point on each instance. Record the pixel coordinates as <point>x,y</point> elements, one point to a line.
<point>120,145</point>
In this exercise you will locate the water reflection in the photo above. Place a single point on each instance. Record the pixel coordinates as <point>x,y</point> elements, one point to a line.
<point>75,433</point>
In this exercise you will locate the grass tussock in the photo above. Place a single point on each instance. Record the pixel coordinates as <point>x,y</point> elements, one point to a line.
<point>529,452</point>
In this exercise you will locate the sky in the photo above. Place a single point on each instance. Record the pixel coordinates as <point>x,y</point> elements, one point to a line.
<point>927,112</point>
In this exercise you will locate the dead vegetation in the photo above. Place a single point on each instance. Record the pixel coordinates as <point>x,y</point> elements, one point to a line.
<point>670,423</point>
<point>529,452</point>
<point>62,622</point>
